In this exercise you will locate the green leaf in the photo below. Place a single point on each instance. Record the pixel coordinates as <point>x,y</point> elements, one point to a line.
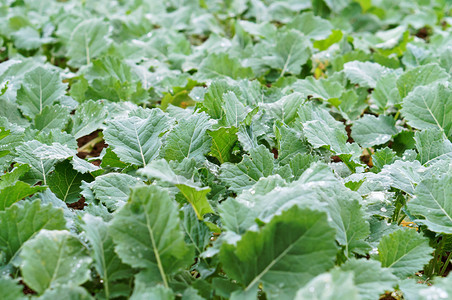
<point>333,38</point>
<point>404,175</point>
<point>290,52</point>
<point>236,216</point>
<point>88,40</point>
<point>13,176</point>
<point>429,107</point>
<point>330,286</point>
<point>54,257</point>
<point>370,130</point>
<point>106,261</point>
<point>432,146</point>
<point>420,76</point>
<point>10,288</point>
<point>318,88</point>
<point>143,291</point>
<point>290,143</point>
<point>28,219</point>
<point>41,87</point>
<point>221,65</point>
<point>66,291</point>
<point>223,142</point>
<point>404,252</point>
<point>292,248</point>
<point>432,201</point>
<point>52,117</point>
<point>29,38</point>
<point>234,111</point>
<point>65,182</point>
<point>136,140</point>
<point>286,108</point>
<point>370,278</point>
<point>188,139</point>
<point>213,99</point>
<point>311,26</point>
<point>259,163</point>
<point>386,93</point>
<point>366,74</point>
<point>382,157</point>
<point>193,193</point>
<point>13,193</point>
<point>113,189</point>
<point>319,133</point>
<point>157,245</point>
<point>88,117</point>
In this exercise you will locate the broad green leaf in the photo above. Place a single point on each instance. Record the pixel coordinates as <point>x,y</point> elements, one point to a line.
<point>221,65</point>
<point>432,201</point>
<point>318,88</point>
<point>66,291</point>
<point>106,261</point>
<point>113,189</point>
<point>9,142</point>
<point>29,38</point>
<point>386,93</point>
<point>54,257</point>
<point>213,99</point>
<point>259,163</point>
<point>432,145</point>
<point>290,52</point>
<point>405,175</point>
<point>89,39</point>
<point>193,193</point>
<point>429,107</point>
<point>41,87</point>
<point>10,288</point>
<point>197,232</point>
<point>188,139</point>
<point>58,152</point>
<point>330,286</point>
<point>333,38</point>
<point>234,111</point>
<point>15,192</point>
<point>420,76</point>
<point>369,277</point>
<point>290,143</point>
<point>382,157</point>
<point>370,130</point>
<point>366,74</point>
<point>88,117</point>
<point>347,217</point>
<point>311,26</point>
<point>136,140</point>
<point>286,108</point>
<point>223,142</point>
<point>236,216</point>
<point>144,291</point>
<point>28,219</point>
<point>39,168</point>
<point>65,182</point>
<point>52,117</point>
<point>292,248</point>
<point>157,245</point>
<point>319,134</point>
<point>13,176</point>
<point>404,252</point>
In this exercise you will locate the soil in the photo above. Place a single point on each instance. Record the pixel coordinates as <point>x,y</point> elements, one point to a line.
<point>423,33</point>
<point>26,290</point>
<point>79,205</point>
<point>97,148</point>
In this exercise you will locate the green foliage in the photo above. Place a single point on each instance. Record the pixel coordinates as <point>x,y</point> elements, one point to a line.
<point>225,149</point>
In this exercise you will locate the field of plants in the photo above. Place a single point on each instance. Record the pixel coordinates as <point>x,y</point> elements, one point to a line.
<point>226,149</point>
